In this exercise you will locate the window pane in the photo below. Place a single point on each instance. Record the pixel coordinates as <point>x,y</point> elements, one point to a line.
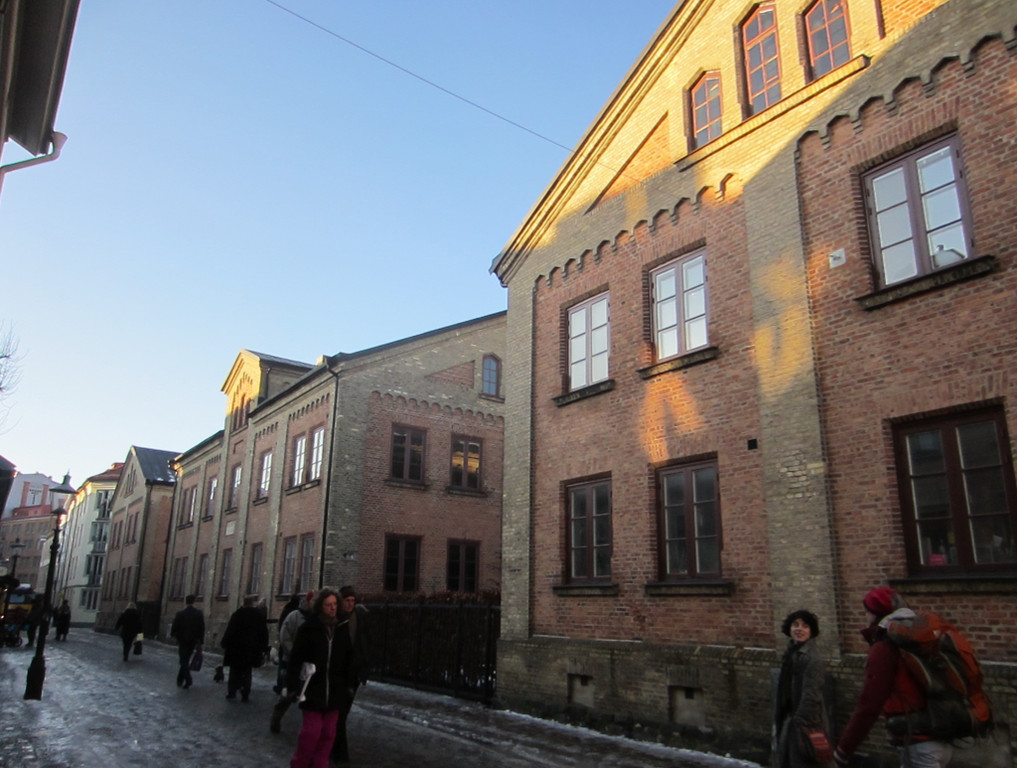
<point>948,245</point>
<point>899,262</point>
<point>708,556</point>
<point>941,207</point>
<point>692,273</point>
<point>598,340</point>
<point>993,538</point>
<point>667,343</point>
<point>936,169</point>
<point>925,452</point>
<point>979,444</point>
<point>598,313</point>
<point>894,225</point>
<point>936,542</point>
<point>677,558</point>
<point>598,368</point>
<point>602,562</point>
<point>665,285</point>
<point>578,375</point>
<point>577,322</point>
<point>985,491</point>
<point>695,333</point>
<point>577,349</point>
<point>695,303</point>
<point>889,189</point>
<point>931,496</point>
<point>667,313</point>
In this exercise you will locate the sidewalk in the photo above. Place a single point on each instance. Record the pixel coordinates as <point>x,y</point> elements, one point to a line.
<point>98,711</point>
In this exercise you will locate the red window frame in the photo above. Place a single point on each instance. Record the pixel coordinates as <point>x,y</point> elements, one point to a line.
<point>761,55</point>
<point>706,105</point>
<point>826,32</point>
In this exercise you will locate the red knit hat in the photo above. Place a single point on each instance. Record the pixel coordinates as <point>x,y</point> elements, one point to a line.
<point>879,601</point>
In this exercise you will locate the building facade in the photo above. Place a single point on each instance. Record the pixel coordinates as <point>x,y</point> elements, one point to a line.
<point>380,468</point>
<point>83,543</point>
<point>761,357</point>
<point>28,522</point>
<point>138,526</point>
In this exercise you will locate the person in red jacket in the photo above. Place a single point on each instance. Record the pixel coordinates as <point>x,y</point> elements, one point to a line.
<point>889,690</point>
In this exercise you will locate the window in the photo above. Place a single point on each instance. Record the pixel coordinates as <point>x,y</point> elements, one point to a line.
<point>179,576</point>
<point>465,462</point>
<point>235,487</point>
<point>589,533</point>
<point>254,576</point>
<point>402,559</point>
<point>307,561</point>
<point>589,342</point>
<point>678,292</point>
<point>492,376</point>
<point>827,32</point>
<point>408,454</point>
<point>265,480</point>
<point>957,492</point>
<point>299,456</point>
<point>289,566</point>
<point>917,212</point>
<point>224,573</point>
<point>762,58</point>
<point>213,485</point>
<point>462,566</point>
<point>690,521</point>
<point>187,508</point>
<point>317,451</point>
<point>706,109</point>
<point>201,575</point>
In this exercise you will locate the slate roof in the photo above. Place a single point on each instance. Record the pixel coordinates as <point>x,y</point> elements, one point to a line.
<point>155,465</point>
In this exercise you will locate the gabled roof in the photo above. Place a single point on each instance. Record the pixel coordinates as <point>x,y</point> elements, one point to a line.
<point>110,475</point>
<point>156,466</point>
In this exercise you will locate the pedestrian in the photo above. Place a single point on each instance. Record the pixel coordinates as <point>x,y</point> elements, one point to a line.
<point>354,615</point>
<point>324,642</point>
<point>63,620</point>
<point>889,690</point>
<point>129,624</point>
<point>189,629</point>
<point>245,643</point>
<point>800,709</point>
<point>291,605</point>
<point>34,619</point>
<point>287,635</point>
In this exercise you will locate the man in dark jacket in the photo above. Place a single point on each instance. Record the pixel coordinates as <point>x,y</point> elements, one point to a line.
<point>189,629</point>
<point>889,690</point>
<point>355,617</point>
<point>245,643</point>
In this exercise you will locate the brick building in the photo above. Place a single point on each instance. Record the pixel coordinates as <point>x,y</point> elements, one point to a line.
<point>761,340</point>
<point>27,521</point>
<point>380,468</point>
<point>136,552</point>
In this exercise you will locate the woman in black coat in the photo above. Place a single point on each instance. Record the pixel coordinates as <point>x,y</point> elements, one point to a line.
<point>800,707</point>
<point>323,641</point>
<point>129,625</point>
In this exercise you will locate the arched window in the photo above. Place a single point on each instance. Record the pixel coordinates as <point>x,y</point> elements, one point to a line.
<point>761,55</point>
<point>705,98</point>
<point>827,30</point>
<point>492,376</point>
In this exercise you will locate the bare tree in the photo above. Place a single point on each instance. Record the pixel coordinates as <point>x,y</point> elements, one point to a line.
<point>10,372</point>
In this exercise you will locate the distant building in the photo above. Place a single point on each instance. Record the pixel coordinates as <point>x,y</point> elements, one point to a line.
<point>83,545</point>
<point>28,518</point>
<point>136,552</point>
<point>380,468</point>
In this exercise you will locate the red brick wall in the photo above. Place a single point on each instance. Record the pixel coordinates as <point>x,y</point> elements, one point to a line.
<point>434,514</point>
<point>707,409</point>
<point>945,348</point>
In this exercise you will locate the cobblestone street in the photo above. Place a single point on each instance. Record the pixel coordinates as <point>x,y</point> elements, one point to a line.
<point>97,710</point>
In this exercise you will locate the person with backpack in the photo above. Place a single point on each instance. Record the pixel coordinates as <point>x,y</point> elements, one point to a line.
<point>890,690</point>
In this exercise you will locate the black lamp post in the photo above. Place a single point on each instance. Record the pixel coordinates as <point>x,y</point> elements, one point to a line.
<point>37,669</point>
<point>13,582</point>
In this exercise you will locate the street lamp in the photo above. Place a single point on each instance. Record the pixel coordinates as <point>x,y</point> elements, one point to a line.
<point>37,669</point>
<point>12,577</point>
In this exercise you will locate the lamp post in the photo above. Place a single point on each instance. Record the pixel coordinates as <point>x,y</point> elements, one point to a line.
<point>16,546</point>
<point>37,669</point>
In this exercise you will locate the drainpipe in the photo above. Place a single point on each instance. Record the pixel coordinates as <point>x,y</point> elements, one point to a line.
<point>58,144</point>
<point>328,476</point>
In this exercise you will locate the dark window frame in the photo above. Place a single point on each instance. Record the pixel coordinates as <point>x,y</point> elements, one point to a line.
<point>694,570</point>
<point>464,478</point>
<point>582,547</point>
<point>490,375</point>
<point>405,461</point>
<point>466,576</point>
<point>957,499</point>
<point>403,577</point>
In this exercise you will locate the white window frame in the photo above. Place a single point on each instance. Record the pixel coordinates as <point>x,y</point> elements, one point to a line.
<point>680,300</point>
<point>317,452</point>
<point>265,480</point>
<point>589,342</point>
<point>299,459</point>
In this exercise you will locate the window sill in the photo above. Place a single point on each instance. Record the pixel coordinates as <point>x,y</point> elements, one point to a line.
<point>259,500</point>
<point>581,394</point>
<point>229,511</point>
<point>691,588</point>
<point>492,398</point>
<point>679,363</point>
<point>953,584</point>
<point>293,489</point>
<point>586,590</point>
<point>188,524</point>
<point>222,598</point>
<point>965,270</point>
<point>457,491</point>
<point>395,482</point>
<point>207,517</point>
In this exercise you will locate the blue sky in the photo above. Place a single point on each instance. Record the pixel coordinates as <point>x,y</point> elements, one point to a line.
<point>238,178</point>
